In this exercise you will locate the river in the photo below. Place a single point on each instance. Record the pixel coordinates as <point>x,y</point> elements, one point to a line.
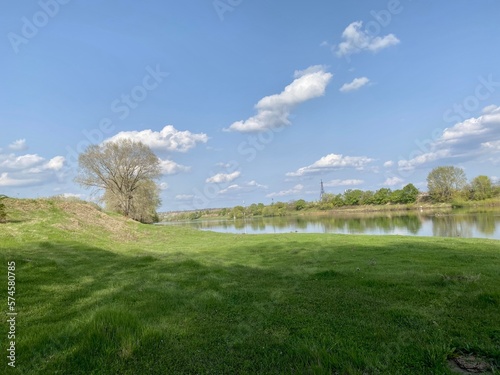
<point>452,223</point>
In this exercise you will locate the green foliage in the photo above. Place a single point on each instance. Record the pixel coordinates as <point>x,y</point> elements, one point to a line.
<point>445,183</point>
<point>169,300</point>
<point>481,188</point>
<point>382,196</point>
<point>3,211</point>
<point>300,205</point>
<point>406,195</point>
<point>353,197</point>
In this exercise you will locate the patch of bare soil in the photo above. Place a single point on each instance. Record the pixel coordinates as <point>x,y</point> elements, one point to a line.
<point>469,364</point>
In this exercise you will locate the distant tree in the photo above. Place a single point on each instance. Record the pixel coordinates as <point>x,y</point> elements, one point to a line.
<point>353,197</point>
<point>300,205</point>
<point>238,212</point>
<point>406,195</point>
<point>382,196</point>
<point>481,188</point>
<point>3,211</point>
<point>396,196</point>
<point>444,183</point>
<point>367,197</point>
<point>126,171</point>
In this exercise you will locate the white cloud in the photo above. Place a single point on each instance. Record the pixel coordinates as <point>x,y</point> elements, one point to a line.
<point>469,139</point>
<point>18,145</point>
<point>356,40</point>
<point>335,183</point>
<point>331,162</point>
<point>167,139</point>
<point>295,190</point>
<point>388,164</point>
<point>20,162</point>
<point>356,84</point>
<point>171,167</point>
<point>492,146</point>
<point>391,181</point>
<point>273,111</point>
<point>7,181</point>
<point>223,177</point>
<point>163,186</point>
<point>55,164</point>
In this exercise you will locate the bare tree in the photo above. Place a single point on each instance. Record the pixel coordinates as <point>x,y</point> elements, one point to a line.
<point>125,170</point>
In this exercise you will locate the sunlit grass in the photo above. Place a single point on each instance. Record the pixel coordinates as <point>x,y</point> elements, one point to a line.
<point>179,301</point>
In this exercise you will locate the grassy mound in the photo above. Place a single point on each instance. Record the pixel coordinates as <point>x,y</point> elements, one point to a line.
<point>99,294</point>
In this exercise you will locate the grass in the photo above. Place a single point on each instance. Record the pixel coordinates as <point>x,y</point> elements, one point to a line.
<point>98,294</point>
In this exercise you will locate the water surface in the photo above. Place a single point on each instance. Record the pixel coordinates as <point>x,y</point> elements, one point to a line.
<point>459,223</point>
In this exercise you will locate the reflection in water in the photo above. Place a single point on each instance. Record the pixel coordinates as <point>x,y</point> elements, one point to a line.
<point>450,224</point>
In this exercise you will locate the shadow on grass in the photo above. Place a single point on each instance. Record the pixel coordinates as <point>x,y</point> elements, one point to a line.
<point>266,306</point>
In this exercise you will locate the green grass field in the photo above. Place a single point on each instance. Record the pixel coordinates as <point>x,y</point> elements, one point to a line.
<point>97,294</point>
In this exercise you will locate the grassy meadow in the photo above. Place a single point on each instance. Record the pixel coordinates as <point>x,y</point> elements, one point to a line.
<point>99,294</point>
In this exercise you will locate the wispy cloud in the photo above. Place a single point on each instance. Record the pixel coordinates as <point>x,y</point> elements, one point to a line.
<point>391,181</point>
<point>356,40</point>
<point>184,197</point>
<point>356,84</point>
<point>274,111</point>
<point>167,139</point>
<point>332,162</point>
<point>18,145</point>
<point>283,193</point>
<point>245,187</point>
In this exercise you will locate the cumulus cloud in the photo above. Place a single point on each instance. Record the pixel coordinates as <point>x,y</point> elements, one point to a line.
<point>469,139</point>
<point>7,181</point>
<point>18,145</point>
<point>335,183</point>
<point>388,164</point>
<point>332,162</point>
<point>163,186</point>
<point>20,162</point>
<point>356,40</point>
<point>391,181</point>
<point>28,169</point>
<point>223,178</point>
<point>171,167</point>
<point>356,84</point>
<point>273,111</point>
<point>283,193</point>
<point>167,139</point>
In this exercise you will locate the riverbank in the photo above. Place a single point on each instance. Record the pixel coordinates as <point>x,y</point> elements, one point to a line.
<point>226,213</point>
<point>96,293</point>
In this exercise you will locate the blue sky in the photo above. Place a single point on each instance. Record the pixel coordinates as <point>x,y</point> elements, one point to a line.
<point>250,101</point>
